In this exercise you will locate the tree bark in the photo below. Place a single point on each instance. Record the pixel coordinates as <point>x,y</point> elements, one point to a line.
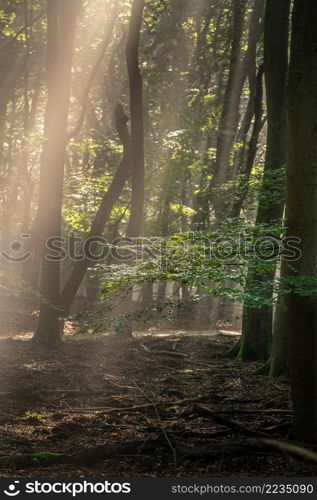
<point>246,157</point>
<point>257,322</point>
<point>137,125</point>
<point>280,343</point>
<point>60,41</point>
<point>301,216</point>
<point>137,135</point>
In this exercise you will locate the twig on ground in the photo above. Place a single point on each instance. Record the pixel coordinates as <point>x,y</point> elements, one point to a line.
<point>160,422</point>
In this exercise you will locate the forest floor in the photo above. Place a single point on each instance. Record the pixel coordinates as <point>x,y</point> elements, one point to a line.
<point>112,407</point>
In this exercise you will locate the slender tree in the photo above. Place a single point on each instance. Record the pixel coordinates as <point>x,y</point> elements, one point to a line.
<point>104,211</point>
<point>137,133</point>
<point>246,154</point>
<point>137,125</point>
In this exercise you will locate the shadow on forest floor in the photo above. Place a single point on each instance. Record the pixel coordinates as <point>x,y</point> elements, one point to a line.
<point>143,406</point>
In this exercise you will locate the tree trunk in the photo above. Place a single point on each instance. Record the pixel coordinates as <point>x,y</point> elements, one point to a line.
<point>147,295</point>
<point>229,120</point>
<point>301,217</point>
<point>161,295</point>
<point>109,199</point>
<point>137,126</point>
<point>61,31</point>
<point>137,130</point>
<point>280,345</point>
<point>257,322</point>
<point>11,70</point>
<point>246,157</point>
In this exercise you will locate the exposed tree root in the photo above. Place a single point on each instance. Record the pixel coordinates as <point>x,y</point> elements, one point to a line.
<point>286,447</point>
<point>234,351</point>
<point>263,369</point>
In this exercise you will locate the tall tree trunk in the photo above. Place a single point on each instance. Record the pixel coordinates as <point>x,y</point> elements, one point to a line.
<point>31,268</point>
<point>301,216</point>
<point>257,322</point>
<point>229,120</point>
<point>137,133</point>
<point>137,125</point>
<point>61,31</point>
<point>245,158</point>
<point>11,70</point>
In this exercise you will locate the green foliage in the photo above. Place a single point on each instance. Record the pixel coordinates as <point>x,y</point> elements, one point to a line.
<point>33,417</point>
<point>211,264</point>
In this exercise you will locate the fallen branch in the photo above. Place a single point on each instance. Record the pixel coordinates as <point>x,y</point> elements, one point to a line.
<point>122,409</point>
<point>249,447</point>
<point>176,354</point>
<point>160,423</point>
<point>19,394</point>
<point>108,451</point>
<point>256,411</point>
<point>232,424</point>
